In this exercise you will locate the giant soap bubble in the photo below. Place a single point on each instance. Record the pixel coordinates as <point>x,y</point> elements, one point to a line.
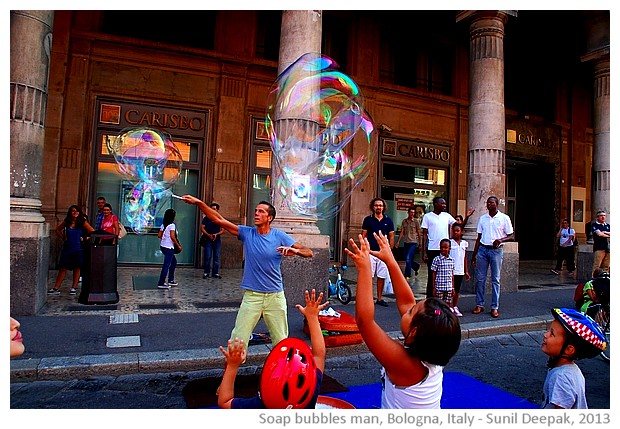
<point>313,114</point>
<point>149,159</point>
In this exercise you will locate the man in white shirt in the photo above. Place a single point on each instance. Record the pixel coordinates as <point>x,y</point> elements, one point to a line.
<point>435,227</point>
<point>494,228</point>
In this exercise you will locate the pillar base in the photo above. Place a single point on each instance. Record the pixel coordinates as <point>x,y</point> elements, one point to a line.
<point>30,244</point>
<point>301,274</point>
<point>585,261</point>
<point>509,276</point>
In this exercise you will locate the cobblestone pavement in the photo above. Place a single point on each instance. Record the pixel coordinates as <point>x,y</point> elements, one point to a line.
<point>513,363</point>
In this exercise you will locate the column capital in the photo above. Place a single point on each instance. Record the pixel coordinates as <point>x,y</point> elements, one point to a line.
<point>474,15</point>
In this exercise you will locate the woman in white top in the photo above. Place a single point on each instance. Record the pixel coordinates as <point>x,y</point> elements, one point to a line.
<point>412,371</point>
<point>168,236</point>
<point>566,248</point>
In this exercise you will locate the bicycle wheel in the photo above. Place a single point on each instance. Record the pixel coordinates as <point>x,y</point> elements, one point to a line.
<point>344,292</point>
<point>603,319</point>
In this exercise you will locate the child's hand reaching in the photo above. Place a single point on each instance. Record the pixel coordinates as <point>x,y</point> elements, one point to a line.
<point>313,305</point>
<point>359,254</point>
<point>236,354</point>
<point>385,250</point>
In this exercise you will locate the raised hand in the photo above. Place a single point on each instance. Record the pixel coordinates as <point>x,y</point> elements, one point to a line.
<point>236,354</point>
<point>359,254</point>
<point>385,250</point>
<point>313,305</point>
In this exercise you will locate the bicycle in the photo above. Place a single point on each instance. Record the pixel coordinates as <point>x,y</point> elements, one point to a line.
<point>340,288</point>
<point>602,317</point>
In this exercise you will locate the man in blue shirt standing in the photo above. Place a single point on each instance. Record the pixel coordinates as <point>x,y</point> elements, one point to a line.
<point>378,221</point>
<point>212,245</point>
<point>264,247</point>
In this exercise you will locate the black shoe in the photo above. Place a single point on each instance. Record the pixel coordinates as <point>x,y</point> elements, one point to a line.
<point>205,276</point>
<point>217,276</point>
<point>382,303</point>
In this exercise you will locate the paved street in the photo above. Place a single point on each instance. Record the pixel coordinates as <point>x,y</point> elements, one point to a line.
<point>513,363</point>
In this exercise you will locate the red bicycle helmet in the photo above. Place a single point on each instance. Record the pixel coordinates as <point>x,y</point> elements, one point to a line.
<point>289,375</point>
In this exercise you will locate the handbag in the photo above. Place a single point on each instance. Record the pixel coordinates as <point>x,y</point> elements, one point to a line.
<point>121,231</point>
<point>203,240</point>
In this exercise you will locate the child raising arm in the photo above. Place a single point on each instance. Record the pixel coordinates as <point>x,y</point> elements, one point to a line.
<point>291,356</point>
<point>412,371</point>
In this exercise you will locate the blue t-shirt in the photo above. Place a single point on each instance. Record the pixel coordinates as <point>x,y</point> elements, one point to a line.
<point>372,224</point>
<point>261,271</point>
<point>211,227</point>
<point>257,403</point>
<point>600,243</point>
<point>74,240</point>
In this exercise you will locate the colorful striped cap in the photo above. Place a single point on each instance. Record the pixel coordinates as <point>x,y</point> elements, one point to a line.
<point>581,325</point>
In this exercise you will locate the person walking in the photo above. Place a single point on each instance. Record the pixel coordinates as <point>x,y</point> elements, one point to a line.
<point>601,235</point>
<point>72,231</point>
<point>435,227</point>
<point>411,236</point>
<point>378,221</point>
<point>264,248</point>
<point>168,236</point>
<point>566,248</point>
<point>494,228</point>
<point>211,237</point>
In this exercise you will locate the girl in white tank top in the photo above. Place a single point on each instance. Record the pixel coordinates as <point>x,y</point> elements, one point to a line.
<point>412,370</point>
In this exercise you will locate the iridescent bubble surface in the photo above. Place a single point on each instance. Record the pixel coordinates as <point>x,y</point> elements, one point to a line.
<point>150,160</point>
<point>314,115</point>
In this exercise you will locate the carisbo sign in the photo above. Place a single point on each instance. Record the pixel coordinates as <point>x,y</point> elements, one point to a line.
<point>406,150</point>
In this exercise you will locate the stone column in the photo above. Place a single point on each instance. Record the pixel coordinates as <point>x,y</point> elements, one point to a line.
<point>597,53</point>
<point>300,33</point>
<point>487,128</point>
<point>31,41</point>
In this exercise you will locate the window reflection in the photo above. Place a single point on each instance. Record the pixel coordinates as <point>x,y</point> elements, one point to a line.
<point>421,175</point>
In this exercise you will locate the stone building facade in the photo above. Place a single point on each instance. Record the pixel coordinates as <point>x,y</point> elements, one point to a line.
<point>466,103</point>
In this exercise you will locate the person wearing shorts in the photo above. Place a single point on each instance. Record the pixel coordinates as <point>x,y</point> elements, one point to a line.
<point>377,222</point>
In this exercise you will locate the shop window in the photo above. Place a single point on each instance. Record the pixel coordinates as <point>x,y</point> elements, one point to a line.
<point>403,186</point>
<point>142,247</point>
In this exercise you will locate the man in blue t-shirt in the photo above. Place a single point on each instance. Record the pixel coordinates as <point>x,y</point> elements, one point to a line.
<point>264,247</point>
<point>601,232</point>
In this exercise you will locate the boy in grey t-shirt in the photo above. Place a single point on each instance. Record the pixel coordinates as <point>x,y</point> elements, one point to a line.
<point>572,335</point>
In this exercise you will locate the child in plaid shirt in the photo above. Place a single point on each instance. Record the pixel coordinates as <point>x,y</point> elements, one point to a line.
<point>443,273</point>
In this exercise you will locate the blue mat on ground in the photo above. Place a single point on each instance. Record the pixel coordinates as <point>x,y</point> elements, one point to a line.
<point>459,392</point>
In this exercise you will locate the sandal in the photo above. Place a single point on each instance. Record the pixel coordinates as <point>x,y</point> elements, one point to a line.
<point>479,309</point>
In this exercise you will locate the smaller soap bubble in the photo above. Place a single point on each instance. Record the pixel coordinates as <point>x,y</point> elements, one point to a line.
<point>314,115</point>
<point>147,155</point>
<point>149,159</point>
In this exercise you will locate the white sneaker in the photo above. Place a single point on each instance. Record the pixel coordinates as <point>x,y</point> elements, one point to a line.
<point>456,311</point>
<point>164,286</point>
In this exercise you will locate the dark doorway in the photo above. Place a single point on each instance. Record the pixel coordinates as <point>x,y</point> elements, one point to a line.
<point>530,204</point>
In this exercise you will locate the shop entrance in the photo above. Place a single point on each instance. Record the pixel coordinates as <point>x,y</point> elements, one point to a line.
<point>530,203</point>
